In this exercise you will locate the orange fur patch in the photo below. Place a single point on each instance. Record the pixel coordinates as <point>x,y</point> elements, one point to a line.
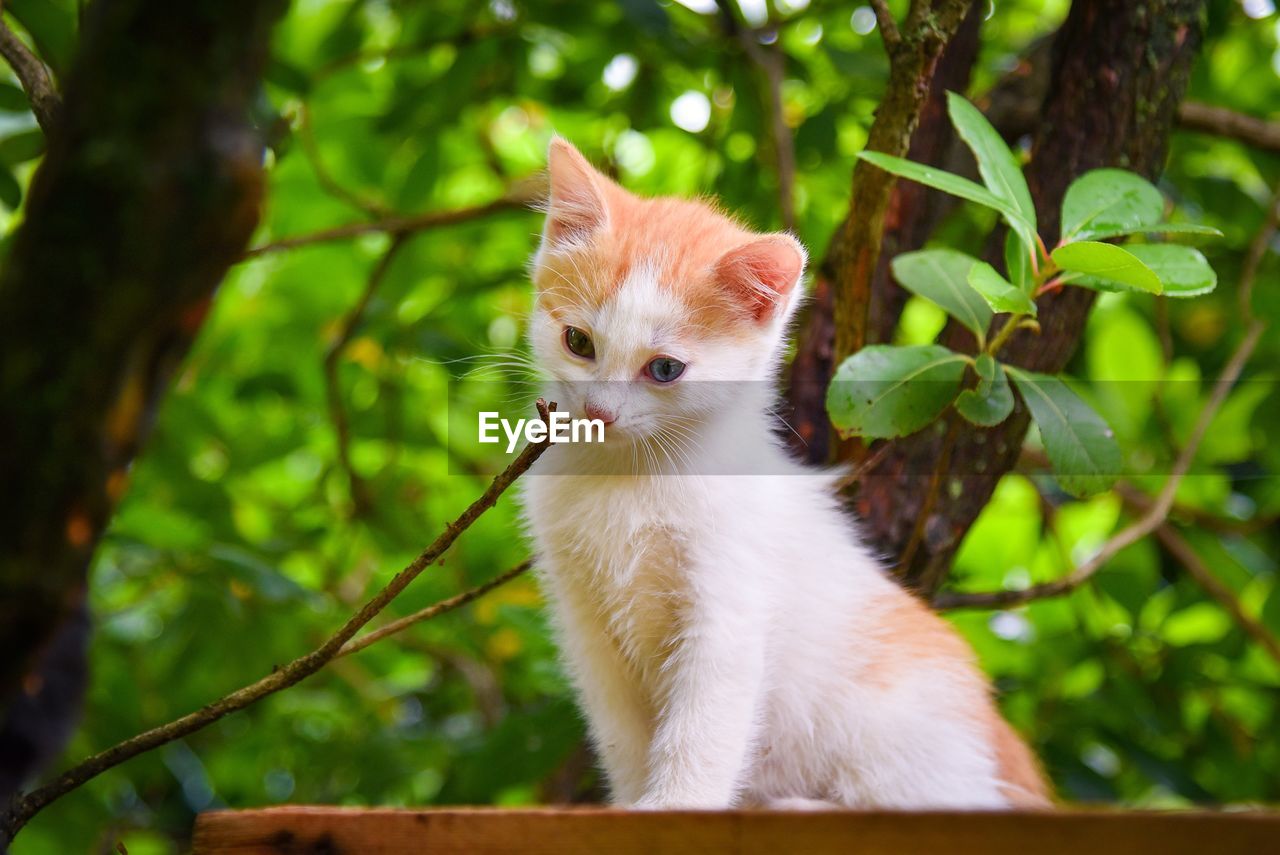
<point>912,633</point>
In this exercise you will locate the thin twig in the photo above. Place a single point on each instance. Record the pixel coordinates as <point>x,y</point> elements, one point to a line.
<point>889,33</point>
<point>926,585</point>
<point>1257,251</point>
<point>1149,522</point>
<point>522,195</point>
<point>1222,122</point>
<point>772,65</point>
<point>434,610</point>
<point>307,136</point>
<point>1158,512</point>
<point>360,496</point>
<point>1186,554</point>
<point>914,52</point>
<point>34,77</point>
<point>27,806</point>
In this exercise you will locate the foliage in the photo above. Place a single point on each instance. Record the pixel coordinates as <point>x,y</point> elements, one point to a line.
<point>888,391</point>
<point>240,544</point>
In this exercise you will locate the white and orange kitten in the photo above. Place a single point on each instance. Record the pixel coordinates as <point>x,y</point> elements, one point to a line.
<point>731,641</point>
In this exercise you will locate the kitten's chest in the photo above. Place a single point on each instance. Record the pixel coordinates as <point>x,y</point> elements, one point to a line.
<point>625,556</point>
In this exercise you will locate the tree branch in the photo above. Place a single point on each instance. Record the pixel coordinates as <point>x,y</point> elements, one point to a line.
<point>306,135</point>
<point>1157,513</point>
<point>1250,130</point>
<point>521,195</point>
<point>930,25</point>
<point>1107,106</point>
<point>34,77</point>
<point>149,189</point>
<point>25,807</point>
<point>360,496</point>
<point>1180,549</point>
<point>432,611</point>
<point>771,62</point>
<point>888,26</point>
<point>1149,522</point>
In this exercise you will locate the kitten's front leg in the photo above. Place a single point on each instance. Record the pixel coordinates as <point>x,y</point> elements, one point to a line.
<point>705,732</point>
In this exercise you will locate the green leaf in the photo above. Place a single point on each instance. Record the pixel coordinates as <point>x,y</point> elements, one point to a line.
<point>1176,228</point>
<point>997,165</point>
<point>13,99</point>
<point>953,184</point>
<point>1183,270</point>
<point>999,293</point>
<point>10,190</point>
<point>1017,261</point>
<point>1109,202</point>
<point>1086,458</point>
<point>22,146</point>
<point>1107,261</point>
<point>52,27</point>
<point>991,401</point>
<point>887,391</point>
<point>941,276</point>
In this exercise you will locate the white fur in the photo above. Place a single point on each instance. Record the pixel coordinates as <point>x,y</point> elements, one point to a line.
<point>714,624</point>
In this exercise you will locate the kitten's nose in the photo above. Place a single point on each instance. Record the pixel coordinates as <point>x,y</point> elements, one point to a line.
<point>595,411</point>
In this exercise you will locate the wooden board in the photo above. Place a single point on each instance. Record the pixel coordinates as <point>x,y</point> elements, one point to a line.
<point>565,831</point>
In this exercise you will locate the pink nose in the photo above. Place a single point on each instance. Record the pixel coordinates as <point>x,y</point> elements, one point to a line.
<point>595,411</point>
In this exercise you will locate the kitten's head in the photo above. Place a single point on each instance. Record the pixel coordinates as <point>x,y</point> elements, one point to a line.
<point>641,301</point>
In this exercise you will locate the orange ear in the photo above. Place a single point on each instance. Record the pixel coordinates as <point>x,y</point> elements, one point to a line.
<point>577,206</point>
<point>759,275</point>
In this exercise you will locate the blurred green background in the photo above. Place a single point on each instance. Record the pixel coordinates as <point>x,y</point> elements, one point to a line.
<point>242,543</point>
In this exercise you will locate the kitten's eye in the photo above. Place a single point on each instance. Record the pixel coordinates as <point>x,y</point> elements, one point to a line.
<point>664,369</point>
<point>579,343</point>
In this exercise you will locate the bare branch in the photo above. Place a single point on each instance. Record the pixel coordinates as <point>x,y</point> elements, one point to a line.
<point>888,26</point>
<point>1250,130</point>
<point>772,65</point>
<point>27,806</point>
<point>434,610</point>
<point>34,77</point>
<point>1149,522</point>
<point>307,136</point>
<point>1186,554</point>
<point>360,496</point>
<point>521,195</point>
<point>855,248</point>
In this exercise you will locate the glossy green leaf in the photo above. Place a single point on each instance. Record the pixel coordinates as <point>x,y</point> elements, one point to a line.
<point>941,276</point>
<point>13,99</point>
<point>1109,202</point>
<point>1183,270</point>
<point>1165,229</point>
<point>887,391</point>
<point>991,401</point>
<point>950,183</point>
<point>1017,261</point>
<point>1107,261</point>
<point>10,190</point>
<point>1000,294</point>
<point>996,163</point>
<point>1085,456</point>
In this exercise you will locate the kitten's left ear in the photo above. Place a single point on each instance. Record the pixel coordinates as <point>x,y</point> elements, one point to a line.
<point>577,207</point>
<point>759,275</point>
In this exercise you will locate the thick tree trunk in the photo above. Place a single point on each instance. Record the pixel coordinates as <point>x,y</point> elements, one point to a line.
<point>1120,69</point>
<point>913,212</point>
<point>149,191</point>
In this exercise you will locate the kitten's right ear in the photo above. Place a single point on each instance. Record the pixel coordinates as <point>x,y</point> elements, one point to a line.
<point>577,205</point>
